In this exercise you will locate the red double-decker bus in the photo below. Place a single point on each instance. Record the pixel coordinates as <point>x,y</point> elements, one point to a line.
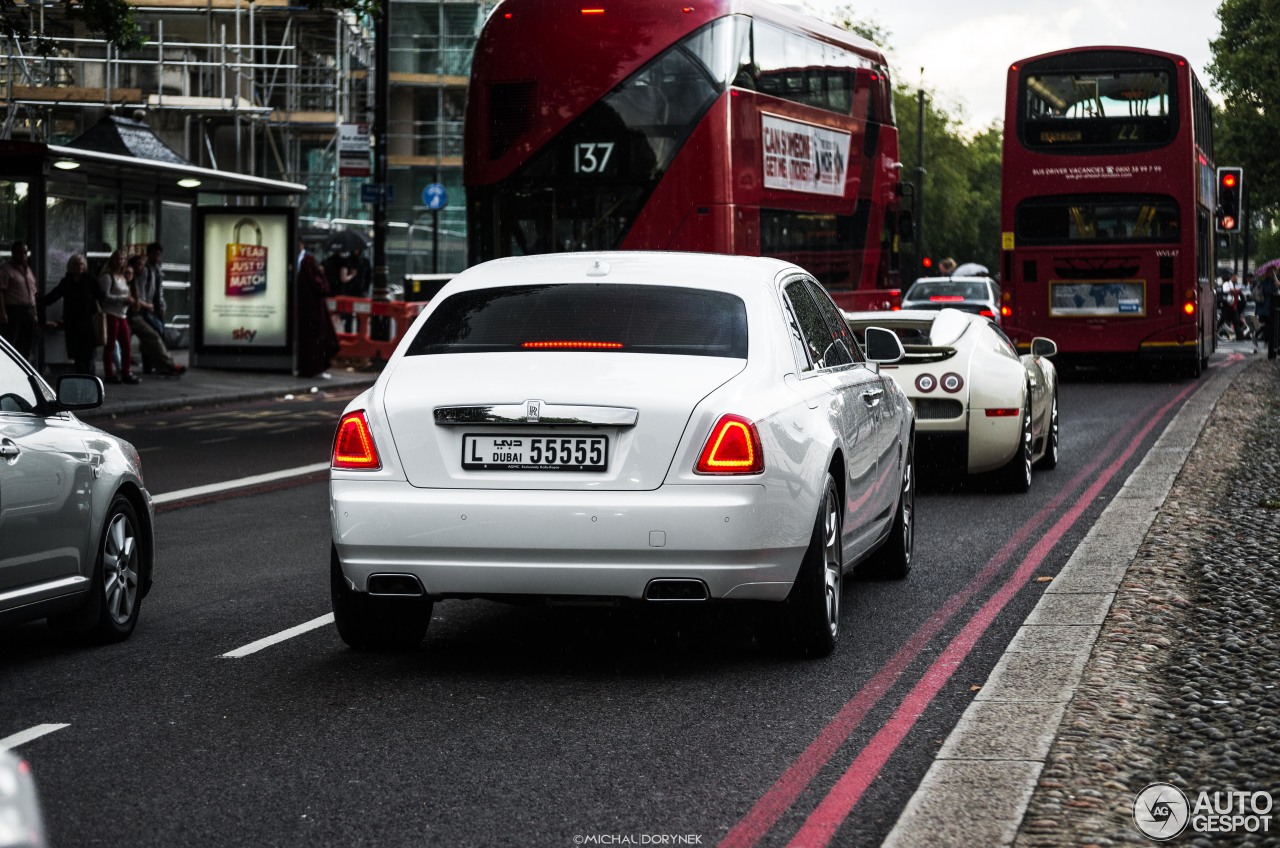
<point>1107,208</point>
<point>725,126</point>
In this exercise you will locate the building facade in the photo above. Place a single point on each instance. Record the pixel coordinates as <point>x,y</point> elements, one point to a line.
<point>262,88</point>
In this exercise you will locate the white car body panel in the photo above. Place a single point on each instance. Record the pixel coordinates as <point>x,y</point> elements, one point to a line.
<point>650,515</point>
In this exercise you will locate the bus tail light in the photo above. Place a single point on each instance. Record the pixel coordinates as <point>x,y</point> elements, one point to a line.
<point>1189,307</point>
<point>353,446</point>
<point>732,448</point>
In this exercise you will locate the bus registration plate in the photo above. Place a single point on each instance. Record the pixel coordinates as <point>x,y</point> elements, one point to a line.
<point>520,452</point>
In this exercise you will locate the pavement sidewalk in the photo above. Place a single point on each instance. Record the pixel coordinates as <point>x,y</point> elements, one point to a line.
<point>207,387</point>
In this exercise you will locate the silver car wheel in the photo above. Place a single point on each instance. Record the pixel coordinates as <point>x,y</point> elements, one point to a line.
<point>1026,445</point>
<point>908,507</point>
<point>119,568</point>
<point>831,560</point>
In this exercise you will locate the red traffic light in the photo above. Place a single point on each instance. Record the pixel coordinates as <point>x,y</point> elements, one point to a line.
<point>927,262</point>
<point>1229,180</point>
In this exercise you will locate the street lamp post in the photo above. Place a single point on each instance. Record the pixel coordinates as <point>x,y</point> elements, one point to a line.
<point>380,330</point>
<point>920,172</point>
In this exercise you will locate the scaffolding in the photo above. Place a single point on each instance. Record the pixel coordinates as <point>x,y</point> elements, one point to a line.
<point>258,88</point>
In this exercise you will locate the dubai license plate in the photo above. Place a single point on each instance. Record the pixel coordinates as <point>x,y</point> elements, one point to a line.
<point>534,453</point>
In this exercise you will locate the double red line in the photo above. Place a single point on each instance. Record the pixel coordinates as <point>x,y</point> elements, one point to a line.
<point>822,824</point>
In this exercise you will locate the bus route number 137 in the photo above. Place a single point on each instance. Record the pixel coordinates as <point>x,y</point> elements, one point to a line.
<point>591,157</point>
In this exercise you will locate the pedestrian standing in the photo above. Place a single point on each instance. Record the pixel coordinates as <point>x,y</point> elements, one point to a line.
<point>1233,305</point>
<point>116,299</point>
<point>151,287</point>
<point>1251,319</point>
<point>1268,306</point>
<point>81,301</point>
<point>317,340</point>
<point>18,301</point>
<point>144,324</point>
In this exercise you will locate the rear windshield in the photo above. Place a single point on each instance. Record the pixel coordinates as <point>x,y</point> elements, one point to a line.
<point>968,291</point>
<point>587,316</point>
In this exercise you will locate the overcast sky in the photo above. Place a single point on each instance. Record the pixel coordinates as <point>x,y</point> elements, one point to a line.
<point>966,47</point>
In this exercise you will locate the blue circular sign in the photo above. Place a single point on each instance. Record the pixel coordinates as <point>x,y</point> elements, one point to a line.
<point>435,197</point>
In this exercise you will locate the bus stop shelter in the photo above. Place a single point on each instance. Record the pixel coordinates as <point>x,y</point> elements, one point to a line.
<point>118,186</point>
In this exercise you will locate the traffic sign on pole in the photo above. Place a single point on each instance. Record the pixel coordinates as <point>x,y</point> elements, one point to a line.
<point>434,197</point>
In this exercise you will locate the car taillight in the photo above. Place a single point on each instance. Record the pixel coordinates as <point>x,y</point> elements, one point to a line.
<point>353,446</point>
<point>1006,412</point>
<point>986,313</point>
<point>946,298</point>
<point>732,448</point>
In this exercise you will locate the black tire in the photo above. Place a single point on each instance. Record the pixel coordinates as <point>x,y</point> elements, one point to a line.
<point>1050,458</point>
<point>894,558</point>
<point>117,580</point>
<point>1016,475</point>
<point>376,623</point>
<point>811,612</point>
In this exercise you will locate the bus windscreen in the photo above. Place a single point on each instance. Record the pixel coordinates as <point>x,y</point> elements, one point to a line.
<point>1098,109</point>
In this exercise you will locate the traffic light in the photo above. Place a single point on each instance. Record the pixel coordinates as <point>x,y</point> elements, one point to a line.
<point>1230,199</point>
<point>926,263</point>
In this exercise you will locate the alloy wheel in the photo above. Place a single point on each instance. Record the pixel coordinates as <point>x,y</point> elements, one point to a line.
<point>831,560</point>
<point>120,569</point>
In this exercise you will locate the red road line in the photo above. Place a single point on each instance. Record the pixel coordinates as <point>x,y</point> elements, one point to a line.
<point>823,822</point>
<point>796,778</point>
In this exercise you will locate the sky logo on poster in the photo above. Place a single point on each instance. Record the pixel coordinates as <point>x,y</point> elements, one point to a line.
<point>243,334</point>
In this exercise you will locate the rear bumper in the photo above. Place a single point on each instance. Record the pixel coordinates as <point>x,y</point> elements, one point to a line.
<point>579,543</point>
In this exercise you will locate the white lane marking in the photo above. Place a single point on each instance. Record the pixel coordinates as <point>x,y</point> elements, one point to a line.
<point>243,482</point>
<point>254,647</point>
<point>27,735</point>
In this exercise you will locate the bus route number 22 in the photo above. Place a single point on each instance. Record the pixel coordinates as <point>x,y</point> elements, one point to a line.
<point>591,157</point>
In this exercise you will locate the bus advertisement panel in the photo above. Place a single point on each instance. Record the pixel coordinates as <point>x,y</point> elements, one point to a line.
<point>1106,214</point>
<point>732,126</point>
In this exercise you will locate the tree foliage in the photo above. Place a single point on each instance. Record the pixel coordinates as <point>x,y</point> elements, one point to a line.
<point>1246,70</point>
<point>962,170</point>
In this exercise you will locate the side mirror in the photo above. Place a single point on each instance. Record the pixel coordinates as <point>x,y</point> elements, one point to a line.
<point>1040,346</point>
<point>883,346</point>
<point>79,391</point>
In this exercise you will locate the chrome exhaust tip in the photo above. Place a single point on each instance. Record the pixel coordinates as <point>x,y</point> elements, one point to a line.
<point>676,589</point>
<point>399,585</point>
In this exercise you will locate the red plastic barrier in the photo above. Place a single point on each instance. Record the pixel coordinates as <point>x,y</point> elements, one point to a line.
<point>360,311</point>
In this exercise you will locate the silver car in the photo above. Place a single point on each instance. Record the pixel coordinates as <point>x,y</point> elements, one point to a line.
<point>76,537</point>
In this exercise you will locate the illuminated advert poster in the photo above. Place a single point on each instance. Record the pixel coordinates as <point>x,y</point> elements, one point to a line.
<point>245,285</point>
<point>802,157</point>
<point>1097,298</point>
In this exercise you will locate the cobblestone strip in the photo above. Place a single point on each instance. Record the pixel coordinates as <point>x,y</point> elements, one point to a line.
<point>1004,756</point>
<point>1182,684</point>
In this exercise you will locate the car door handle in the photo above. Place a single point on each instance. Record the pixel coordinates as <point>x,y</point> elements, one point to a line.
<point>871,397</point>
<point>8,450</point>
